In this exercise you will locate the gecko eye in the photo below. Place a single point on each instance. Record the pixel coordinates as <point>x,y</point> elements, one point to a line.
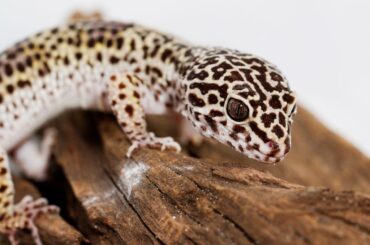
<point>237,110</point>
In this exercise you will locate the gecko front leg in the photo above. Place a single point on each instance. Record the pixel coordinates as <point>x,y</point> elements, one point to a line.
<point>20,216</point>
<point>124,97</point>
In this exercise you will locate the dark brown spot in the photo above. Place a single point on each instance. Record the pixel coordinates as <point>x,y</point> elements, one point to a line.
<point>66,61</point>
<point>288,98</point>
<point>268,119</point>
<point>234,136</point>
<point>3,171</point>
<point>37,56</point>
<point>136,95</point>
<point>78,55</point>
<point>119,42</point>
<point>238,129</point>
<point>130,110</point>
<point>235,76</point>
<point>206,87</point>
<point>278,131</point>
<point>220,70</point>
<point>29,61</point>
<point>91,43</point>
<point>166,53</point>
<point>109,43</point>
<point>10,88</point>
<point>70,41</point>
<point>100,39</point>
<point>260,133</point>
<point>201,75</point>
<point>287,144</point>
<point>275,102</point>
<point>99,57</point>
<point>157,71</point>
<point>31,46</point>
<point>41,72</point>
<point>195,100</point>
<point>282,119</point>
<point>23,83</point>
<point>215,113</point>
<point>8,70</point>
<point>54,31</point>
<point>133,45</point>
<point>3,188</point>
<point>212,99</point>
<point>21,67</point>
<point>212,123</point>
<point>122,96</point>
<point>113,60</point>
<point>276,77</point>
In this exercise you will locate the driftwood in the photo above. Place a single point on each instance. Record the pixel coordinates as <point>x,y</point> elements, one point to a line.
<point>217,198</point>
<point>53,229</point>
<point>319,157</point>
<point>163,197</point>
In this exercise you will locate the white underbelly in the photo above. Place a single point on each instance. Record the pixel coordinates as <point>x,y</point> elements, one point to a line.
<point>21,114</point>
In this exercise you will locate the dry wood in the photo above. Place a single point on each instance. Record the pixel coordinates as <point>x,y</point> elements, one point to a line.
<point>319,156</point>
<point>166,198</point>
<point>53,229</point>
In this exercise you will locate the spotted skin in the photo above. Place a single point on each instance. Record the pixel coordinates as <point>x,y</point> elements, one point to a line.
<point>238,99</point>
<point>216,78</point>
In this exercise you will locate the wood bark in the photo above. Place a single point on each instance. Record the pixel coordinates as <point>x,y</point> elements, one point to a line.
<point>169,198</point>
<point>318,157</point>
<point>53,229</point>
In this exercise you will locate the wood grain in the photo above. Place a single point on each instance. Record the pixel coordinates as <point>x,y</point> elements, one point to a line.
<point>182,200</point>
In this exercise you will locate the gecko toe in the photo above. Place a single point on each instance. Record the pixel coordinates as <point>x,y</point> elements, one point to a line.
<point>161,143</point>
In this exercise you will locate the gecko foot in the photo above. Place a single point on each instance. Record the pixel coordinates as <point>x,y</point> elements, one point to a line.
<point>23,218</point>
<point>152,141</point>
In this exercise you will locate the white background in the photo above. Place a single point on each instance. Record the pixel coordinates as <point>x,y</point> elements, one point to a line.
<point>323,46</point>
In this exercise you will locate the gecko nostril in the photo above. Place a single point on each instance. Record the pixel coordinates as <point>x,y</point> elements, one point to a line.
<point>274,146</point>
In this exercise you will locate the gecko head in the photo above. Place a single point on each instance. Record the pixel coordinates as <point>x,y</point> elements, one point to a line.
<point>243,101</point>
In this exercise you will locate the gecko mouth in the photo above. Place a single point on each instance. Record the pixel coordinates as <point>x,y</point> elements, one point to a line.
<point>272,156</point>
<point>265,158</point>
<point>272,152</point>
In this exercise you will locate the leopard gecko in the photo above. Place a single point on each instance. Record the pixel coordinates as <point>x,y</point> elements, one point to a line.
<point>236,98</point>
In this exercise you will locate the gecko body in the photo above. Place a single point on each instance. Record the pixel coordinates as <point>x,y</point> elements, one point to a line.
<point>238,99</point>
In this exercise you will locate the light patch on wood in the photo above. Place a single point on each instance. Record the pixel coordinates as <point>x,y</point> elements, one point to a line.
<point>131,175</point>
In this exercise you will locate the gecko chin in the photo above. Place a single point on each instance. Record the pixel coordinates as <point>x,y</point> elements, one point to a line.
<point>270,152</point>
